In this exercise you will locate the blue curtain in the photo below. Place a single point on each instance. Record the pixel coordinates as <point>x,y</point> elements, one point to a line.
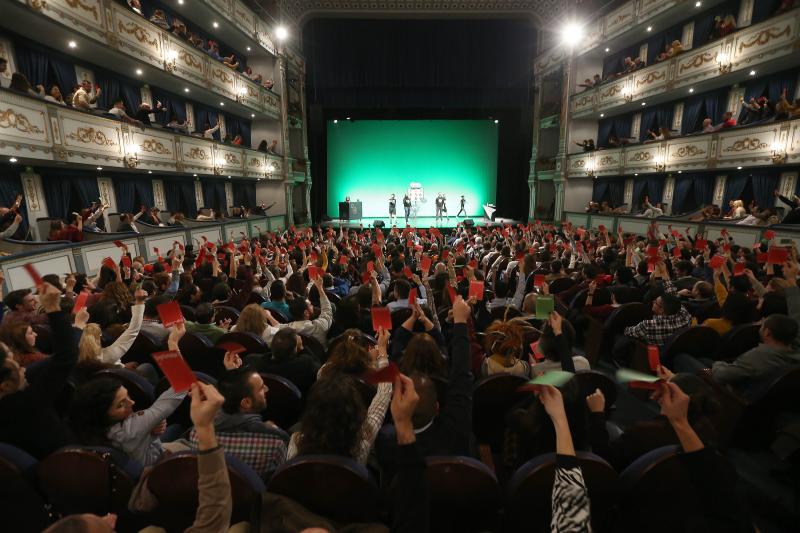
<point>734,187</point>
<point>10,187</point>
<point>764,184</point>
<point>648,123</point>
<point>125,190</point>
<point>599,188</point>
<point>57,192</point>
<point>692,114</point>
<point>704,188</point>
<point>144,189</point>
<point>655,188</point>
<point>639,186</point>
<point>622,126</point>
<point>180,197</point>
<point>783,80</point>
<point>704,23</point>
<point>658,43</point>
<point>244,194</point>
<point>214,196</point>
<point>175,105</point>
<point>33,64</point>
<point>664,115</point>
<point>205,117</point>
<point>763,9</point>
<point>616,191</point>
<point>64,74</point>
<point>189,199</point>
<point>683,184</point>
<point>87,188</point>
<point>604,128</point>
<point>614,63</point>
<point>236,126</point>
<point>715,102</point>
<point>112,86</point>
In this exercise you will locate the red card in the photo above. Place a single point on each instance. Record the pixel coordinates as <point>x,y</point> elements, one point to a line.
<point>109,263</point>
<point>343,260</point>
<point>537,354</point>
<point>370,266</point>
<point>80,302</point>
<point>538,280</point>
<point>700,244</point>
<point>381,318</point>
<point>170,314</point>
<point>412,296</point>
<point>777,255</point>
<point>769,234</point>
<point>384,375</point>
<point>365,277</point>
<point>473,264</point>
<point>126,261</point>
<point>425,264</point>
<point>738,269</point>
<point>644,385</point>
<point>601,227</point>
<point>762,258</point>
<point>233,347</point>
<point>653,357</point>
<point>314,272</point>
<point>716,262</point>
<point>174,366</point>
<point>156,251</point>
<point>407,273</point>
<point>452,293</point>
<point>676,252</point>
<point>476,289</point>
<point>119,244</point>
<point>445,254</point>
<point>33,273</point>
<point>652,251</point>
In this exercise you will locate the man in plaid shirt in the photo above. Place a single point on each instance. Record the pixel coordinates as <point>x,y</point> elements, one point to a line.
<point>669,315</point>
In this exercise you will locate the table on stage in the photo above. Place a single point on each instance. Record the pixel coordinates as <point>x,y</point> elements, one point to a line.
<point>353,213</point>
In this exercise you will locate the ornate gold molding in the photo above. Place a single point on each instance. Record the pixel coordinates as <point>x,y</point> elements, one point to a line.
<point>77,3</point>
<point>651,77</point>
<point>196,153</point>
<point>10,119</point>
<point>254,162</point>
<point>746,145</point>
<point>697,61</point>
<point>764,37</point>
<point>189,59</point>
<point>641,156</point>
<point>608,161</point>
<point>37,5</point>
<point>91,136</point>
<point>142,35</point>
<point>231,159</point>
<point>152,145</point>
<point>688,151</point>
<point>612,91</point>
<point>580,163</point>
<point>221,75</point>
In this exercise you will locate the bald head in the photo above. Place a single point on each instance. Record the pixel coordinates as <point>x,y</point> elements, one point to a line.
<point>84,523</point>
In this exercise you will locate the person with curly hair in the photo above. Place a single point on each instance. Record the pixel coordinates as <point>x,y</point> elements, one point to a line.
<point>112,306</point>
<point>503,348</point>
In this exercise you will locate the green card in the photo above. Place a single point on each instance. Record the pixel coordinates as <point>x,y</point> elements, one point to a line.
<point>556,378</point>
<point>544,306</point>
<point>626,375</point>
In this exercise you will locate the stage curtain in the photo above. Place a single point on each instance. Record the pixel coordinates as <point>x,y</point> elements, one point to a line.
<point>125,190</point>
<point>683,184</point>
<point>87,188</point>
<point>734,187</point>
<point>655,188</point>
<point>692,115</point>
<point>764,184</point>
<point>639,186</point>
<point>32,64</point>
<point>180,196</point>
<point>764,9</point>
<point>704,189</point>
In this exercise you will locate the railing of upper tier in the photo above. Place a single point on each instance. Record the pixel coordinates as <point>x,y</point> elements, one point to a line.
<point>601,29</point>
<point>776,38</point>
<point>123,30</point>
<point>246,20</point>
<point>33,129</point>
<point>759,145</point>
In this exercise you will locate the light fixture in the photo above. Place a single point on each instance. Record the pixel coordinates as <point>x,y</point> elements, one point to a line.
<point>778,153</point>
<point>627,94</point>
<point>216,24</point>
<point>180,2</point>
<point>72,44</point>
<point>661,165</point>
<point>636,174</point>
<point>99,168</point>
<point>602,115</point>
<point>248,48</point>
<point>222,104</point>
<point>691,89</point>
<point>680,172</point>
<point>229,177</point>
<point>171,63</point>
<point>496,121</point>
<point>752,72</point>
<point>281,33</point>
<point>649,28</point>
<point>139,72</point>
<point>149,171</point>
<point>723,62</point>
<point>195,175</point>
<point>644,104</point>
<point>348,118</point>
<point>186,89</point>
<point>335,121</point>
<point>738,168</point>
<point>698,4</point>
<point>131,158</point>
<point>252,115</point>
<point>590,168</point>
<point>12,160</point>
<point>608,50</point>
<point>571,34</point>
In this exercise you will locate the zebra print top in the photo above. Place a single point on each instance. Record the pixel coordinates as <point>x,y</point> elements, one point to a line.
<point>570,505</point>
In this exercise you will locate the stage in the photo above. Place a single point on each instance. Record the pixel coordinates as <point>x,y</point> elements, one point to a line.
<point>421,222</point>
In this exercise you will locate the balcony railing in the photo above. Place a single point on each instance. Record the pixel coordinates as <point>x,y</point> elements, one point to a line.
<point>766,144</point>
<point>770,40</point>
<point>123,30</point>
<point>33,129</point>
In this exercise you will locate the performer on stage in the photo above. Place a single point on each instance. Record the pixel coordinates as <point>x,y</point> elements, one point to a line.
<point>439,202</point>
<point>463,204</point>
<point>444,208</point>
<point>407,206</point>
<point>392,210</point>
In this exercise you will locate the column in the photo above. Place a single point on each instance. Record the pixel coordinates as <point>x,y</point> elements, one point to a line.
<point>532,200</point>
<point>558,185</point>
<point>289,203</point>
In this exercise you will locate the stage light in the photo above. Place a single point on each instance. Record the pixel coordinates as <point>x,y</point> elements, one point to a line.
<point>644,104</point>
<point>149,171</point>
<point>348,118</point>
<point>186,89</point>
<point>571,34</point>
<point>195,175</point>
<point>680,172</point>
<point>608,50</point>
<point>252,115</point>
<point>72,44</point>
<point>99,168</point>
<point>698,4</point>
<point>248,48</point>
<point>281,33</point>
<point>738,168</point>
<point>602,115</point>
<point>222,104</point>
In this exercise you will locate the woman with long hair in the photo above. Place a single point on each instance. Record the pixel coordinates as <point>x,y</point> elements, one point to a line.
<point>102,415</point>
<point>503,348</point>
<point>256,319</point>
<point>112,306</point>
<point>20,338</point>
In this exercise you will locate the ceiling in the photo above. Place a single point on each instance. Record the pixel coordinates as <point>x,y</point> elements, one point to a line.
<point>540,10</point>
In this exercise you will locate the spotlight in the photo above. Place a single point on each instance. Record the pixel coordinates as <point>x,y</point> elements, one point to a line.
<point>72,44</point>
<point>248,48</point>
<point>215,24</point>
<point>738,168</point>
<point>281,33</point>
<point>138,72</point>
<point>252,115</point>
<point>636,174</point>
<point>680,172</point>
<point>180,2</point>
<point>752,72</point>
<point>99,168</point>
<point>335,121</point>
<point>571,34</point>
<point>149,171</point>
<point>644,104</point>
<point>602,115</point>
<point>12,160</point>
<point>649,28</point>
<point>691,89</point>
<point>608,50</point>
<point>496,121</point>
<point>195,175</point>
<point>186,89</point>
<point>229,177</point>
<point>348,118</point>
<point>698,4</point>
<point>222,104</point>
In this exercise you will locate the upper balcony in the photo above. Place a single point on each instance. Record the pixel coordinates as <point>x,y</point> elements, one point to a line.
<point>117,38</point>
<point>34,131</point>
<point>763,145</point>
<point>762,48</point>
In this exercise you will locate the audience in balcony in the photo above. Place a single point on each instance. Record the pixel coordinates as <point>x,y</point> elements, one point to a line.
<point>786,110</point>
<point>708,126</point>
<point>59,231</point>
<point>231,62</point>
<point>179,28</point>
<point>258,78</point>
<point>587,145</point>
<point>127,222</point>
<point>145,110</point>
<point>197,41</point>
<point>20,84</point>
<point>208,131</point>
<point>237,140</point>
<point>54,96</point>
<point>723,26</point>
<point>661,134</point>
<point>181,126</point>
<point>159,18</point>
<point>85,97</point>
<point>616,142</point>
<point>118,110</point>
<point>650,210</point>
<point>737,210</point>
<point>4,82</point>
<point>786,5</point>
<point>672,49</point>
<point>136,6</point>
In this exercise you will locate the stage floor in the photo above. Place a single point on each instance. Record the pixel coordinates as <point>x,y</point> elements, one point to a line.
<point>421,222</point>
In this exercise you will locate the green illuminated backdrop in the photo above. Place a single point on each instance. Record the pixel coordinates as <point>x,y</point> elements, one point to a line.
<point>369,160</point>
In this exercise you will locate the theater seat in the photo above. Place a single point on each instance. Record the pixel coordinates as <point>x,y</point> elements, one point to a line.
<point>560,285</point>
<point>181,414</point>
<point>284,401</point>
<point>600,336</point>
<point>188,312</point>
<point>492,397</point>
<point>528,502</point>
<point>226,312</point>
<point>314,347</point>
<point>590,380</point>
<point>697,341</point>
<point>504,313</point>
<point>23,508</point>
<point>144,345</point>
<point>201,355</point>
<point>464,494</point>
<point>737,341</point>
<point>44,337</point>
<point>173,481</point>
<point>768,400</point>
<point>335,487</point>
<point>251,342</point>
<point>140,390</point>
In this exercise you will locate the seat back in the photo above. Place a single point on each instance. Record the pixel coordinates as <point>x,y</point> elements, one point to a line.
<point>194,341</point>
<point>22,507</point>
<point>140,390</point>
<point>88,480</point>
<point>697,341</point>
<point>144,345</point>
<point>778,393</point>
<point>560,285</point>
<point>44,337</point>
<point>492,397</point>
<point>590,380</point>
<point>314,347</point>
<point>528,502</point>
<point>504,313</point>
<point>173,481</point>
<point>224,312</point>
<point>43,225</point>
<point>737,341</point>
<point>188,312</point>
<point>284,401</point>
<point>251,342</point>
<point>464,494</point>
<point>399,316</point>
<point>335,487</point>
<point>602,296</point>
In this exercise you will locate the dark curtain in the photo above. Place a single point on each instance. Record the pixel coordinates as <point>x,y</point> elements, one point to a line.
<point>616,191</point>
<point>57,192</point>
<point>244,194</point>
<point>683,184</point>
<point>613,64</point>
<point>64,74</point>
<point>604,128</point>
<point>764,184</point>
<point>180,197</point>
<point>639,186</point>
<point>214,196</point>
<point>144,189</point>
<point>655,188</point>
<point>87,188</point>
<point>599,188</point>
<point>10,187</point>
<point>172,195</point>
<point>32,63</point>
<point>174,105</point>
<point>658,43</point>
<point>664,115</point>
<point>622,126</point>
<point>648,123</point>
<point>113,86</point>
<point>236,126</point>
<point>125,190</point>
<point>619,126</point>
<point>704,23</point>
<point>715,103</point>
<point>764,9</point>
<point>692,115</point>
<point>734,187</point>
<point>778,82</point>
<point>205,117</point>
<point>704,189</point>
<point>189,198</point>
